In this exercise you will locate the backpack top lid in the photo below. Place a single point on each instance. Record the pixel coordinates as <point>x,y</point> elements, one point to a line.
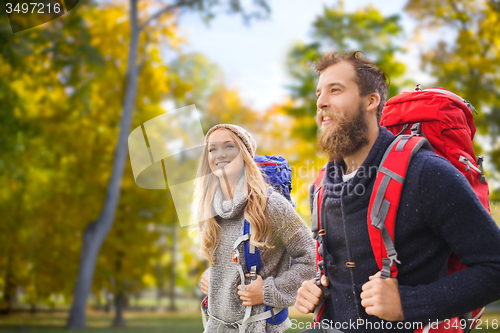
<point>429,104</point>
<point>277,173</point>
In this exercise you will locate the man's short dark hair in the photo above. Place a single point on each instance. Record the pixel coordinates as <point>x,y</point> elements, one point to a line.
<point>370,78</point>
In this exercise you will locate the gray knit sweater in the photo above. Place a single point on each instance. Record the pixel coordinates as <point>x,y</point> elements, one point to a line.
<point>292,243</point>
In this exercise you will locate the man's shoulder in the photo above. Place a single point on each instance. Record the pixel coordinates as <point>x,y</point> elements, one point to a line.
<point>427,160</point>
<point>433,171</point>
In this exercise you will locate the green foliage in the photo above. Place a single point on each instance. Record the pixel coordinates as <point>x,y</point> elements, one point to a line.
<point>36,66</point>
<point>61,91</point>
<point>468,64</point>
<point>59,117</point>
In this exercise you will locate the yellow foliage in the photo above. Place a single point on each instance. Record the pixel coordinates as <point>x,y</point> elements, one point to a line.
<point>275,137</point>
<point>148,280</point>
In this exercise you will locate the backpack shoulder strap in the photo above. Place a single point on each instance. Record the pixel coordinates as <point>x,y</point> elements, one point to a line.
<point>318,198</point>
<point>384,201</point>
<point>318,233</point>
<point>252,253</point>
<point>253,263</point>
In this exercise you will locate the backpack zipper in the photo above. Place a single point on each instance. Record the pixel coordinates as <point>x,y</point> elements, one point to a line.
<point>449,93</point>
<point>469,165</point>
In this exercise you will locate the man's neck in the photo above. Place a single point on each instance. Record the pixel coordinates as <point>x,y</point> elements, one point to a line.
<point>354,161</point>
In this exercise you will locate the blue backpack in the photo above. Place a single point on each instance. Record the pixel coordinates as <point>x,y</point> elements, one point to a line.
<point>277,173</point>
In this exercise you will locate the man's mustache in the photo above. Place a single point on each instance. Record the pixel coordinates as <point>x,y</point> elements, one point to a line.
<point>335,115</point>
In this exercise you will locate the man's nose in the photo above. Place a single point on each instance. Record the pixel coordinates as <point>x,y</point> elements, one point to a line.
<point>322,102</point>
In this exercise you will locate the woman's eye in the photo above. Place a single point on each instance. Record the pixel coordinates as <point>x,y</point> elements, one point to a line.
<point>229,146</point>
<point>211,150</point>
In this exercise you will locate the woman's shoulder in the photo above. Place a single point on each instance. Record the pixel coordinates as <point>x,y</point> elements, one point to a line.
<point>277,201</point>
<point>281,210</point>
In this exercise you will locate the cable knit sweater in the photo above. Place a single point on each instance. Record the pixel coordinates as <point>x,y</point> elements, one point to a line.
<point>292,243</point>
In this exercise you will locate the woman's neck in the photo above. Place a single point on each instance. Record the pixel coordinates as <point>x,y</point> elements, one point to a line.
<point>228,186</point>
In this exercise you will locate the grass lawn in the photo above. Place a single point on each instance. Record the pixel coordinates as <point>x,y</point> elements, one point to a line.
<point>146,322</point>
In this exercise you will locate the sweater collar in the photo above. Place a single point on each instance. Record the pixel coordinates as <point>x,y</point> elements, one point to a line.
<point>230,208</point>
<point>366,172</point>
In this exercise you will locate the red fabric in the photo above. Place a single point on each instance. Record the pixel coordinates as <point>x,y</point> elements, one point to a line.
<point>396,161</point>
<point>318,181</point>
<point>448,124</point>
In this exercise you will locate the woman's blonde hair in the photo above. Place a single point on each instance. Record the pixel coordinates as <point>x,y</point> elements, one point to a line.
<point>254,188</point>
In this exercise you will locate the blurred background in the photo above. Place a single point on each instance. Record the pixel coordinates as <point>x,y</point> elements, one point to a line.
<point>81,245</point>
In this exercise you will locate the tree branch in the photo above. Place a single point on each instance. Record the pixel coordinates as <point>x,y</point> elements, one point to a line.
<point>458,11</point>
<point>178,4</point>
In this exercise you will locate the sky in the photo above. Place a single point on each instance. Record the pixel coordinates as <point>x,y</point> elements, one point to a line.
<point>253,57</point>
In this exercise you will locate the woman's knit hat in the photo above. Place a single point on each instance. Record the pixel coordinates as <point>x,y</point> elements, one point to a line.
<point>242,133</point>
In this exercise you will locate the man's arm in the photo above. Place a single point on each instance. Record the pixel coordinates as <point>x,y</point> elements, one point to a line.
<point>456,216</point>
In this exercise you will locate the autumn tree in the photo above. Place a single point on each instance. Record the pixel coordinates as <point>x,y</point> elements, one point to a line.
<point>36,66</point>
<point>468,64</point>
<point>96,232</point>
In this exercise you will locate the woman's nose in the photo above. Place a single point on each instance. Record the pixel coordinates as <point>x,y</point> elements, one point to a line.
<point>221,154</point>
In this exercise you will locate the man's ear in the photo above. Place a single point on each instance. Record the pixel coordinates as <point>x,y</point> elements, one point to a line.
<point>373,101</point>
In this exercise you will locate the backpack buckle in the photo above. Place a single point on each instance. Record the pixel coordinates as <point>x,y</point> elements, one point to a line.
<point>235,258</point>
<point>253,272</point>
<point>415,129</point>
<point>394,258</point>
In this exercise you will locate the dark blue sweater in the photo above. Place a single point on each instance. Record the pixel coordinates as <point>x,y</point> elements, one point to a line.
<point>439,213</point>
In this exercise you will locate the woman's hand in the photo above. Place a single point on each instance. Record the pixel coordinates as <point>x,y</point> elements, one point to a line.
<point>253,294</point>
<point>205,283</point>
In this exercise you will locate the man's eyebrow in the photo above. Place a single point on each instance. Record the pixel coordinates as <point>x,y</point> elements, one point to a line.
<point>331,85</point>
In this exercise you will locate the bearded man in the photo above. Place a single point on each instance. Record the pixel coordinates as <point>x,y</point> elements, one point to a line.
<point>438,214</point>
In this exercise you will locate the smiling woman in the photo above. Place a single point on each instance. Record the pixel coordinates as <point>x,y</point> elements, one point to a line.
<point>231,193</point>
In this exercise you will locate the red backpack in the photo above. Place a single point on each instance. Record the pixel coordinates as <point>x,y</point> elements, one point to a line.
<point>436,116</point>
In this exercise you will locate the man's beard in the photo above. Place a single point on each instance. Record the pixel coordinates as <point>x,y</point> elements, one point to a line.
<point>349,135</point>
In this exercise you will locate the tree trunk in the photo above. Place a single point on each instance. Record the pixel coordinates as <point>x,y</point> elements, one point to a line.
<point>96,232</point>
<point>107,306</point>
<point>119,305</point>
<point>119,291</point>
<point>172,269</point>
<point>9,290</point>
